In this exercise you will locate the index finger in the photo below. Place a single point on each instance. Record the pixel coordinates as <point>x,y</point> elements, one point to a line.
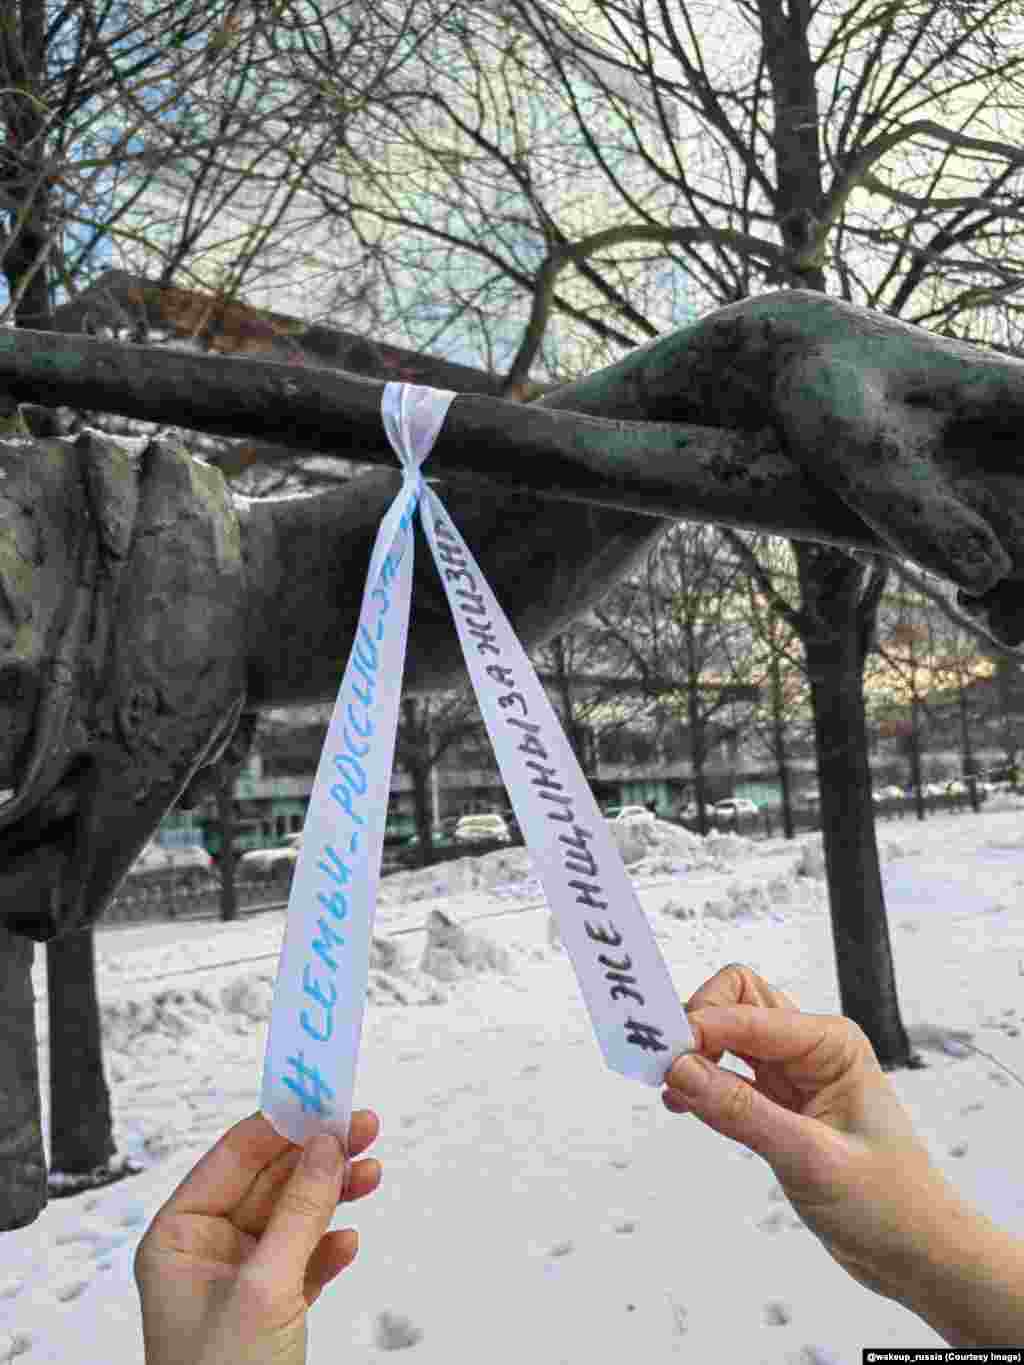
<point>737,984</point>
<point>810,1049</point>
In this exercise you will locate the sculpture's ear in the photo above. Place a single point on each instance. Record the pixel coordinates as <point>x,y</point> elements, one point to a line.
<point>175,675</point>
<point>112,473</point>
<point>168,629</point>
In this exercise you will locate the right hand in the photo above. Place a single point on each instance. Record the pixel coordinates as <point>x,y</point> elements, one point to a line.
<point>825,1117</point>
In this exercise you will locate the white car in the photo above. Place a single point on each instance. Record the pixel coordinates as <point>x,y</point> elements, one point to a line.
<point>734,806</point>
<point>267,861</point>
<point>628,813</point>
<point>888,794</point>
<point>191,861</point>
<point>487,828</point>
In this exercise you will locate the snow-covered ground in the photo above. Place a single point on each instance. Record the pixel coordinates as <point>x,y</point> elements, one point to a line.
<point>534,1205</point>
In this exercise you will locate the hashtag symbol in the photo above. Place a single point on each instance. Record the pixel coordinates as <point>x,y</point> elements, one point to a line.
<point>309,1087</point>
<point>642,1035</point>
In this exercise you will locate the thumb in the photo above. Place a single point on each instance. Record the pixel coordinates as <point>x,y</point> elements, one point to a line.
<point>732,1106</point>
<point>303,1211</point>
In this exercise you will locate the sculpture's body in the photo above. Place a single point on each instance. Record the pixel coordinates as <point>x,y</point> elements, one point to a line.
<point>143,609</point>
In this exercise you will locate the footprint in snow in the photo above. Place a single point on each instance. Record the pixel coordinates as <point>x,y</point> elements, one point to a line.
<point>679,1314</point>
<point>71,1289</point>
<point>776,1313</point>
<point>394,1331</point>
<point>778,1220</point>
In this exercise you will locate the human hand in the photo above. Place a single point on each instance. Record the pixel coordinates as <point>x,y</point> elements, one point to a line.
<point>232,1261</point>
<point>825,1117</point>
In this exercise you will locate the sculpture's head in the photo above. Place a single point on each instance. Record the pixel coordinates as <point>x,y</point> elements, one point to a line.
<point>119,569</point>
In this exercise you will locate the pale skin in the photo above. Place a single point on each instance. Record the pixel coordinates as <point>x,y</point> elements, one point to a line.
<point>239,1253</point>
<point>231,1264</point>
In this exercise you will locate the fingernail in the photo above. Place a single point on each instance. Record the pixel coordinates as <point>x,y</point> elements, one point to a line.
<point>689,1074</point>
<point>322,1155</point>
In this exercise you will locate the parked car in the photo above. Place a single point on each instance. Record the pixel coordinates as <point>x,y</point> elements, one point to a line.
<point>889,793</point>
<point>626,813</point>
<point>440,838</point>
<point>733,808</point>
<point>189,865</point>
<point>407,855</point>
<point>272,862</point>
<point>487,828</point>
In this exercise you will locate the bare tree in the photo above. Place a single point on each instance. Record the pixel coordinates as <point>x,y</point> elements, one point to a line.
<point>165,139</point>
<point>904,655</point>
<point>866,151</point>
<point>428,727</point>
<point>773,658</point>
<point>669,625</point>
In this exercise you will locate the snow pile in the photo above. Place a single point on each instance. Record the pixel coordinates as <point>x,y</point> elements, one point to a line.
<point>889,852</point>
<point>452,951</point>
<point>174,1013</point>
<point>812,860</point>
<point>653,848</point>
<point>756,900</point>
<point>649,848</point>
<point>243,1005</point>
<point>760,900</point>
<point>506,872</point>
<point>724,847</point>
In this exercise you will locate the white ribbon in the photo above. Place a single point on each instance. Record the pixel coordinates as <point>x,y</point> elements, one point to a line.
<point>320,995</point>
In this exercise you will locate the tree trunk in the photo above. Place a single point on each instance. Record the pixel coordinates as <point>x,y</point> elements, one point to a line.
<point>915,757</point>
<point>966,750</point>
<point>698,753</point>
<point>1004,674</point>
<point>226,862</point>
<point>836,649</point>
<point>417,764</point>
<point>563,684</point>
<point>22,1159</point>
<point>81,1129</point>
<point>779,746</point>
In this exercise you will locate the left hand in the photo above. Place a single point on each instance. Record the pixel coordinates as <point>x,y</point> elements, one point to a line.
<point>233,1260</point>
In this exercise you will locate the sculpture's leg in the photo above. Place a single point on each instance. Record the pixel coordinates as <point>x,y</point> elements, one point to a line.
<point>22,1159</point>
<point>879,457</point>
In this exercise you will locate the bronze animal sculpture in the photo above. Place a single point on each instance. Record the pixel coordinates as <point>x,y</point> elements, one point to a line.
<point>143,608</point>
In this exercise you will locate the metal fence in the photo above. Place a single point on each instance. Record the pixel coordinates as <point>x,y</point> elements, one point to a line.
<point>766,824</point>
<point>184,897</point>
<point>176,898</point>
